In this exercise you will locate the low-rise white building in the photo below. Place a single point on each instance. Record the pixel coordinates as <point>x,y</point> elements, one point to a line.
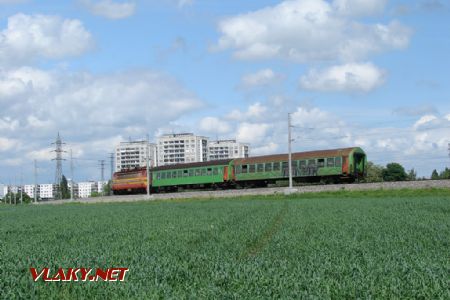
<point>224,149</point>
<point>29,189</point>
<point>181,148</point>
<point>47,191</point>
<point>3,190</point>
<point>86,188</point>
<point>129,155</point>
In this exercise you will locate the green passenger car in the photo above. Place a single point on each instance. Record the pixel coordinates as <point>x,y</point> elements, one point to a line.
<point>203,174</point>
<point>337,165</point>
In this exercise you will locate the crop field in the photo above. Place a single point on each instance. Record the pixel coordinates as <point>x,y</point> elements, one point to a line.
<point>378,244</point>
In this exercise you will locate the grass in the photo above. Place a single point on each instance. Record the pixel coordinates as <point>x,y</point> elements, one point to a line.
<point>374,244</point>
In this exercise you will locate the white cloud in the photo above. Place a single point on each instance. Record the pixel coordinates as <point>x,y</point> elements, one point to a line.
<point>255,111</point>
<point>8,144</point>
<point>359,7</point>
<point>31,37</point>
<point>344,78</point>
<point>214,125</point>
<point>310,30</point>
<point>261,78</point>
<point>426,119</point>
<point>111,9</point>
<point>92,111</point>
<point>252,132</point>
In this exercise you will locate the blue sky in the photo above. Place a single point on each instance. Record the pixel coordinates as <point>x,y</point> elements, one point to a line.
<point>353,73</point>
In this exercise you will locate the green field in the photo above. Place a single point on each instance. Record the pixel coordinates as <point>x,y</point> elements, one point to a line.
<point>330,245</point>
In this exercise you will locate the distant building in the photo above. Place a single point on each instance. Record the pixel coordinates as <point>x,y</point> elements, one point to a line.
<point>29,190</point>
<point>181,148</point>
<point>85,189</point>
<point>224,149</point>
<point>3,190</point>
<point>47,191</point>
<point>129,155</point>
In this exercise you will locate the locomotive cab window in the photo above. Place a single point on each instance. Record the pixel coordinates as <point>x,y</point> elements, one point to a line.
<point>245,169</point>
<point>321,162</point>
<point>260,168</point>
<point>251,169</point>
<point>268,167</point>
<point>338,162</point>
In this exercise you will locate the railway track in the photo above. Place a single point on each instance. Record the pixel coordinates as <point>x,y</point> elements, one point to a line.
<point>262,191</point>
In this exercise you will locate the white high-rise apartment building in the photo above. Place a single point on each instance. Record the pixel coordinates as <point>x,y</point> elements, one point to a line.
<point>129,155</point>
<point>224,149</point>
<point>181,148</point>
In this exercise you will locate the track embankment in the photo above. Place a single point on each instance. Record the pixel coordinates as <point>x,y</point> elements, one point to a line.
<point>423,184</point>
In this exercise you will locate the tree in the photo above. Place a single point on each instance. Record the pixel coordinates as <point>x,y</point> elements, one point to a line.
<point>394,172</point>
<point>107,188</point>
<point>65,192</point>
<point>445,174</point>
<point>412,175</point>
<point>435,175</point>
<point>374,172</point>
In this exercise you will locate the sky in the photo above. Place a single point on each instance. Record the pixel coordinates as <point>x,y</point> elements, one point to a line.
<point>367,73</point>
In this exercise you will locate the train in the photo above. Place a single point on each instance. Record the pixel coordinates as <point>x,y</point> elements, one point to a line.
<point>327,166</point>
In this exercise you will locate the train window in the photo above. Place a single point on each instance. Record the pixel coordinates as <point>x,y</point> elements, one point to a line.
<point>337,162</point>
<point>302,163</point>
<point>311,162</point>
<point>215,171</point>
<point>197,172</point>
<point>244,168</point>
<point>163,175</point>
<point>191,172</point>
<point>208,171</point>
<point>260,168</point>
<point>169,175</point>
<point>284,165</point>
<point>174,174</point>
<point>203,172</point>
<point>185,173</point>
<point>158,175</point>
<point>330,162</point>
<point>294,164</point>
<point>276,166</point>
<point>251,168</point>
<point>179,173</point>
<point>268,167</point>
<point>238,169</point>
<point>321,162</point>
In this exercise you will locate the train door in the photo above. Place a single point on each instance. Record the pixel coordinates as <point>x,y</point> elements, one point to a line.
<point>225,173</point>
<point>345,164</point>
